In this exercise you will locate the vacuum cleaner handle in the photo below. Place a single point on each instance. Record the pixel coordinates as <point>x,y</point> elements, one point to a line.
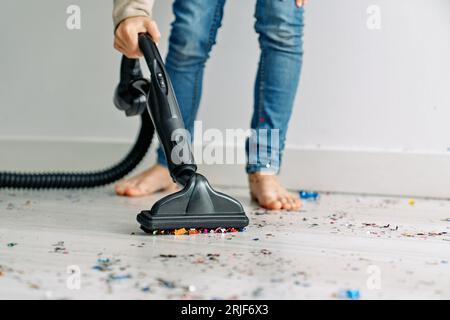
<point>165,113</point>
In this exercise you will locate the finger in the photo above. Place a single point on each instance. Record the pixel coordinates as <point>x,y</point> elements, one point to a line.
<point>124,50</point>
<point>131,43</point>
<point>133,54</point>
<point>119,47</point>
<point>122,46</point>
<point>120,42</point>
<point>299,3</point>
<point>153,30</point>
<point>122,37</point>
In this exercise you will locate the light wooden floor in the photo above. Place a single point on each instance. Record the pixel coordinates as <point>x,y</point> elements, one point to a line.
<point>341,242</point>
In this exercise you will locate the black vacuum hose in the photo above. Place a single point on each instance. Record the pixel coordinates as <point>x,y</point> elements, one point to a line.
<point>76,180</point>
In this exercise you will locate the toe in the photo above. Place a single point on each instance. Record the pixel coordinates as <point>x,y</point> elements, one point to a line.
<point>294,203</point>
<point>269,201</point>
<point>297,204</point>
<point>272,205</point>
<point>135,191</point>
<point>142,187</point>
<point>121,188</point>
<point>286,203</point>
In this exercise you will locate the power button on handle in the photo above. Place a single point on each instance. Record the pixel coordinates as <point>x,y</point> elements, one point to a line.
<point>161,80</point>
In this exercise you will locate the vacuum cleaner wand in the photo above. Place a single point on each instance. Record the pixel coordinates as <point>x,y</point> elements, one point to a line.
<point>197,205</point>
<point>163,108</point>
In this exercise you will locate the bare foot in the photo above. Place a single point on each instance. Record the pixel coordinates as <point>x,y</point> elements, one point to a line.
<point>270,194</point>
<point>155,179</point>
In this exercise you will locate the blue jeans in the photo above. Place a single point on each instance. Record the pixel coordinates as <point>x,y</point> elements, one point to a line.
<point>279,24</point>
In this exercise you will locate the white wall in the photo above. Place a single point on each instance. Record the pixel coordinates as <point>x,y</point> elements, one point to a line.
<point>361,89</point>
<point>386,89</point>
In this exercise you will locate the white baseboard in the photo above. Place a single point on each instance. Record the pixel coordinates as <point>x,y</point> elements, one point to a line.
<point>348,171</point>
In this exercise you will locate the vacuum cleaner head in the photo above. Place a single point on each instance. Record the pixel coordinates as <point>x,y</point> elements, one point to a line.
<point>198,205</point>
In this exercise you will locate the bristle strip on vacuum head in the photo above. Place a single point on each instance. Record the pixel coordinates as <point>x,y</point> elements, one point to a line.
<point>192,231</point>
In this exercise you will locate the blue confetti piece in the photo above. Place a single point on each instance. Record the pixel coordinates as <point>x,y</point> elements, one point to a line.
<point>103,260</point>
<point>352,294</point>
<point>308,195</point>
<point>120,277</point>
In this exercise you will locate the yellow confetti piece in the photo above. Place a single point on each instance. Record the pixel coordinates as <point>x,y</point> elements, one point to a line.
<point>179,232</point>
<point>411,202</point>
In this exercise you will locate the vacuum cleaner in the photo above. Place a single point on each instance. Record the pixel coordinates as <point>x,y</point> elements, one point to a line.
<point>197,205</point>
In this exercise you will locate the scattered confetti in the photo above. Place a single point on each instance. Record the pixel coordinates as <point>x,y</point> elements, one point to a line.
<point>59,248</point>
<point>114,277</point>
<point>192,231</point>
<point>104,264</point>
<point>213,256</point>
<point>33,286</point>
<point>168,255</point>
<point>191,288</point>
<point>166,284</point>
<point>352,294</point>
<point>181,231</point>
<point>210,256</point>
<point>257,292</point>
<point>424,234</point>
<point>374,225</point>
<point>308,195</point>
